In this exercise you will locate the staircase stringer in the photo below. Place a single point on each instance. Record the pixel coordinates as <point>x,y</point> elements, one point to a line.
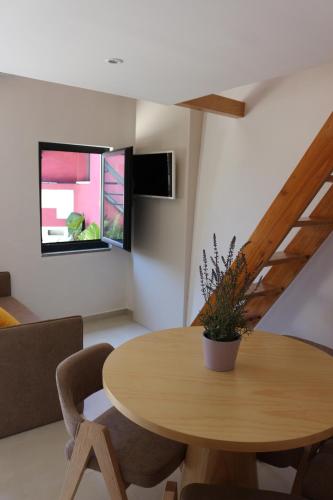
<point>309,176</point>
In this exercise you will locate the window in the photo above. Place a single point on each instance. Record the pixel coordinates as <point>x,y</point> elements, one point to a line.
<point>85,197</point>
<point>70,194</point>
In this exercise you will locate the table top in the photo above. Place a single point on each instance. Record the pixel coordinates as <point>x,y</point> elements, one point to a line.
<point>279,395</point>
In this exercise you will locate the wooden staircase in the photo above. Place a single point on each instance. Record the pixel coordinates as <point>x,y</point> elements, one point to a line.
<point>286,213</point>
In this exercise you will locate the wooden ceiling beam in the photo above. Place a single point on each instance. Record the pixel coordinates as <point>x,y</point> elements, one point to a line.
<point>217,104</point>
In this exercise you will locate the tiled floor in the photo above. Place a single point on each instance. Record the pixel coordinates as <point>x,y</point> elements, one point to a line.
<point>32,464</point>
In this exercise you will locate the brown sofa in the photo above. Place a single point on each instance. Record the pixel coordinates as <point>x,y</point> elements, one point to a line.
<point>29,355</point>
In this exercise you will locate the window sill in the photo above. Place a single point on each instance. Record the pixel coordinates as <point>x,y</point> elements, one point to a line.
<point>65,248</point>
<point>71,252</point>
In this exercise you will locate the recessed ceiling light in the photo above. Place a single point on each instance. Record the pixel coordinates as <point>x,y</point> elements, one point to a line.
<point>114,60</point>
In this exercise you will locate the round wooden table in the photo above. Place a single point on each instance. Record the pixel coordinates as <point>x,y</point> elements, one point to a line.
<point>279,396</point>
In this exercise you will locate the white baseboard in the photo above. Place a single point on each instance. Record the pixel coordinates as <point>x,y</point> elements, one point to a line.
<point>110,314</point>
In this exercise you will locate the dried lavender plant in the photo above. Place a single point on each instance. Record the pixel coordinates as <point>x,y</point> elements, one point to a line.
<point>224,283</point>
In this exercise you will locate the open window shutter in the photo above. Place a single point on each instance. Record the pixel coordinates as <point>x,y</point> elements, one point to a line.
<point>116,200</point>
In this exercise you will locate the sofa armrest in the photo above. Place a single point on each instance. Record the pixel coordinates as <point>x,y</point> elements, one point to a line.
<point>29,356</point>
<point>5,288</point>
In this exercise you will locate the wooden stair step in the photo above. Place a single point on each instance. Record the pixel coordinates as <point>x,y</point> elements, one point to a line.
<point>253,318</point>
<point>283,258</point>
<point>307,221</point>
<point>256,290</point>
<point>330,178</point>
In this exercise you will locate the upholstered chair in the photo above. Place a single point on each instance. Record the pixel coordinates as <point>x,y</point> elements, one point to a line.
<point>317,484</point>
<point>298,456</point>
<point>124,452</point>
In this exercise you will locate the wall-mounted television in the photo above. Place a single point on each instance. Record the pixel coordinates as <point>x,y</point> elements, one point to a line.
<point>154,175</point>
<point>116,206</point>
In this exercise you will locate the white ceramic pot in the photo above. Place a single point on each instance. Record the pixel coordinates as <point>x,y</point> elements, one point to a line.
<point>220,355</point>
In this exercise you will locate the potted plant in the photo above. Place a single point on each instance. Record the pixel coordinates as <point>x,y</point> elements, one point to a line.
<point>224,283</point>
<point>75,224</point>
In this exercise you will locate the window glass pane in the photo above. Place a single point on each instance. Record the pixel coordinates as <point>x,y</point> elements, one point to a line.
<point>70,196</point>
<point>113,196</point>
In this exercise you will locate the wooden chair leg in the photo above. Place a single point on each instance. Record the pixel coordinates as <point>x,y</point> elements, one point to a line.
<point>107,461</point>
<point>92,436</point>
<point>170,492</point>
<point>308,453</point>
<point>77,463</point>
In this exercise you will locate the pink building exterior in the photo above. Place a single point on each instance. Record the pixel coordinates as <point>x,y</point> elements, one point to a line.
<point>64,169</point>
<point>80,173</point>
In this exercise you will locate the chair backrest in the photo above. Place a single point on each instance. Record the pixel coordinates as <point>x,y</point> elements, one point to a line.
<point>321,347</point>
<point>318,480</point>
<point>78,377</point>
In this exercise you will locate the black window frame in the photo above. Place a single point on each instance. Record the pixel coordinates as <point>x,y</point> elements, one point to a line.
<point>67,246</point>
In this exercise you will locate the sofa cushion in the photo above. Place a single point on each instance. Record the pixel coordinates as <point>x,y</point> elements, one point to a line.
<point>18,310</point>
<point>6,319</point>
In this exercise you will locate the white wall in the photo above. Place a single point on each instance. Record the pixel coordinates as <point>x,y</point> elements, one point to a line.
<point>163,228</point>
<point>33,111</point>
<point>244,163</point>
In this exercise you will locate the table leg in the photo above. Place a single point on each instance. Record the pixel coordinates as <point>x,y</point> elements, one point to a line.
<point>203,465</point>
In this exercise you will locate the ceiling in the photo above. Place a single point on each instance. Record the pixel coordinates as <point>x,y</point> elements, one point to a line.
<point>174,50</point>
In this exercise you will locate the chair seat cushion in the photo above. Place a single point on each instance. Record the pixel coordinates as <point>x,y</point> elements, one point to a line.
<point>327,447</point>
<point>145,458</point>
<point>227,492</point>
<point>287,458</point>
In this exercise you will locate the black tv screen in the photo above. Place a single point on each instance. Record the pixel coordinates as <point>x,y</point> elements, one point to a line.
<point>117,197</point>
<point>154,174</point>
